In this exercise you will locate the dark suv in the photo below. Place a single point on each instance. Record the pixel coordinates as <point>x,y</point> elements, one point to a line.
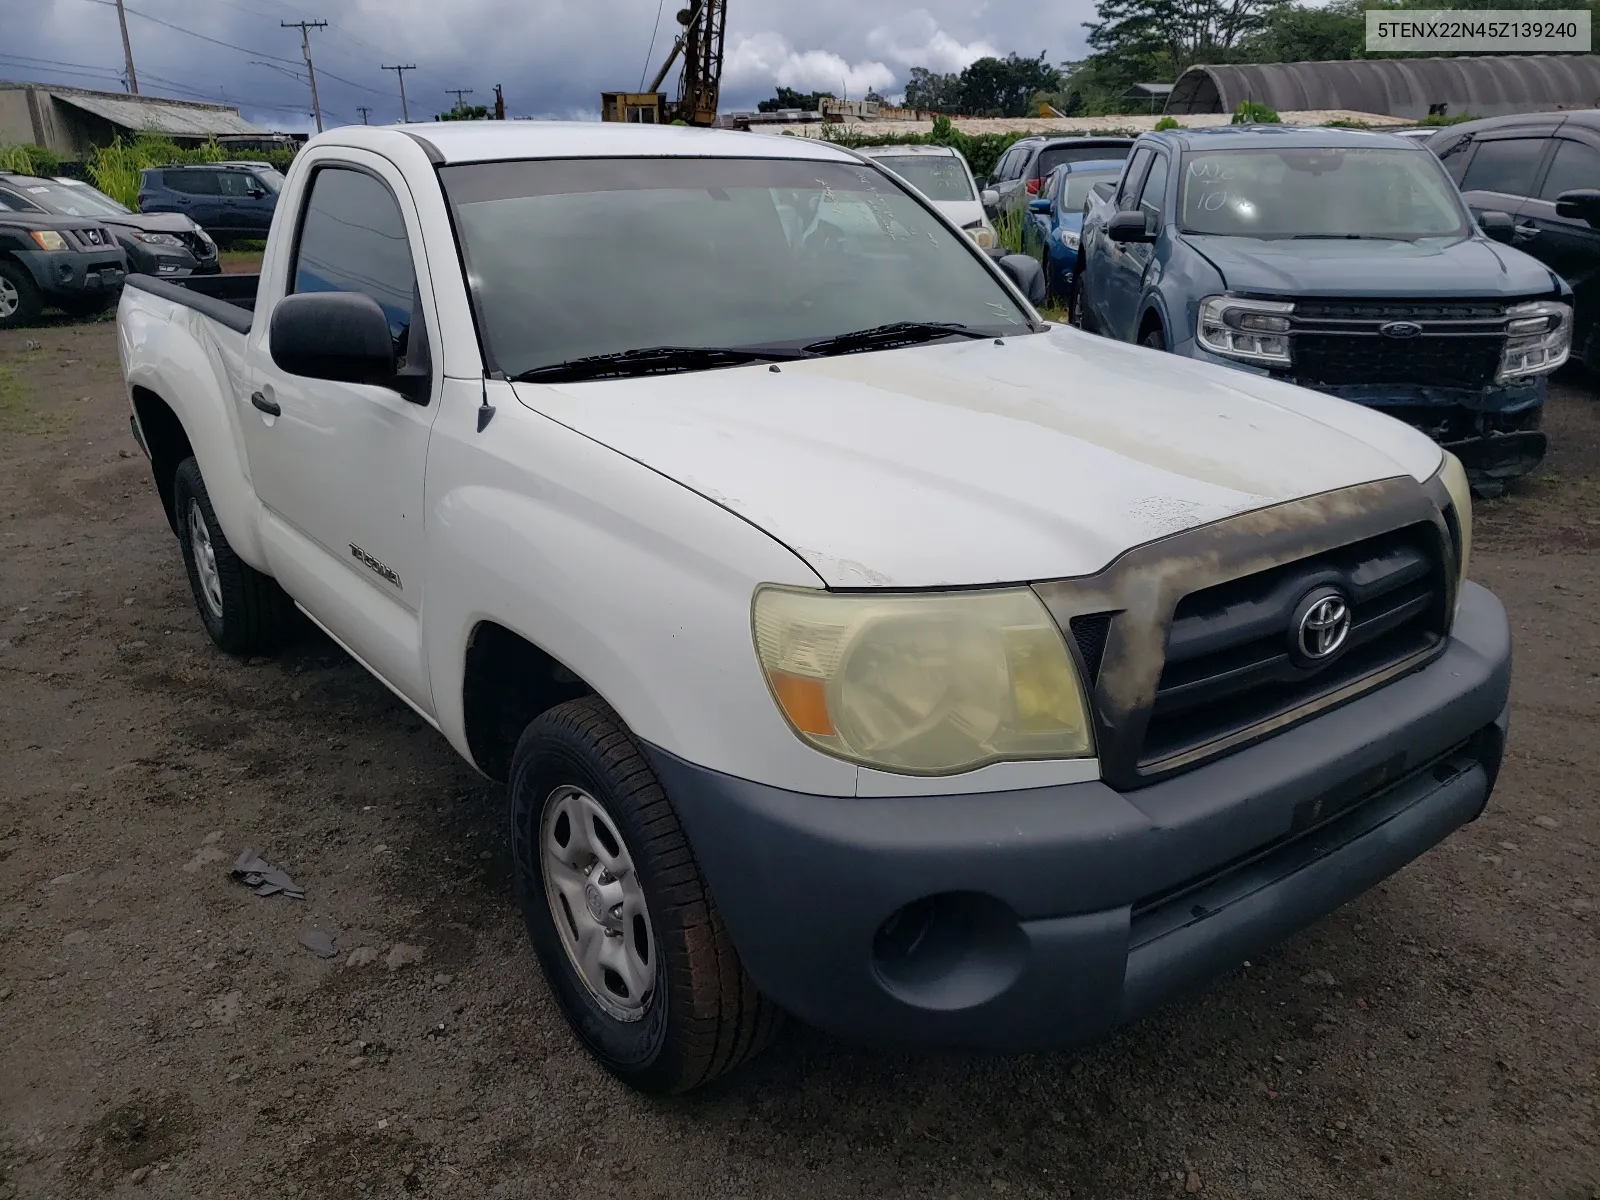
<point>1543,169</point>
<point>230,201</point>
<point>1027,163</point>
<point>71,262</point>
<point>163,244</point>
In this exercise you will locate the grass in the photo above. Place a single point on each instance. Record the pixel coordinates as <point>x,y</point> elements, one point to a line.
<point>240,262</point>
<point>19,416</point>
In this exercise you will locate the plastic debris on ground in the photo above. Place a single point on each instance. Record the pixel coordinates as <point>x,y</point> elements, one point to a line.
<point>261,877</point>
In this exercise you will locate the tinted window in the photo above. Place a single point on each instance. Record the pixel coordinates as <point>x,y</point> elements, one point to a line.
<point>1002,169</point>
<point>852,249</point>
<point>11,203</point>
<point>1052,158</point>
<point>238,183</point>
<point>1131,178</point>
<point>1075,193</point>
<point>194,183</point>
<point>1507,166</point>
<point>353,239</point>
<point>1575,166</point>
<point>1154,193</point>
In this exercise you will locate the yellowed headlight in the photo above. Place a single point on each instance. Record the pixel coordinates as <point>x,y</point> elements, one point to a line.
<point>48,239</point>
<point>922,683</point>
<point>1454,477</point>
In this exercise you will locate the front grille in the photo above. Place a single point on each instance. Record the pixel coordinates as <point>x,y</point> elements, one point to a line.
<point>91,238</point>
<point>1228,665</point>
<point>1337,342</point>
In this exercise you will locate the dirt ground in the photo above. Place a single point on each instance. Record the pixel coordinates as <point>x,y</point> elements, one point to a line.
<point>164,1032</point>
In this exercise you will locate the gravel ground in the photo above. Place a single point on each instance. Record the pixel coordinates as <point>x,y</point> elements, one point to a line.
<point>166,1033</point>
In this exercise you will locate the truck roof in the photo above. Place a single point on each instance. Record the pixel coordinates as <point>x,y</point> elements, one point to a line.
<point>491,141</point>
<point>1288,137</point>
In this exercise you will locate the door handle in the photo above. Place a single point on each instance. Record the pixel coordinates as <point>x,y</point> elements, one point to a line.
<point>270,407</point>
<point>1527,231</point>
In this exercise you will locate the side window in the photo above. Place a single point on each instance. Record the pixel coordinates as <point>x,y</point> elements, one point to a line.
<point>1576,165</point>
<point>1001,167</point>
<point>1047,190</point>
<point>1507,166</point>
<point>11,203</point>
<point>237,183</point>
<point>1132,177</point>
<point>1455,156</point>
<point>353,239</point>
<point>194,183</point>
<point>1154,192</point>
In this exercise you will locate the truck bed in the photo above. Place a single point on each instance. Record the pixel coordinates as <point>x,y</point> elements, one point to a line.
<point>229,300</point>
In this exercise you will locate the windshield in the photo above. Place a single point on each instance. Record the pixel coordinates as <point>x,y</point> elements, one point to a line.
<point>1331,192</point>
<point>1053,156</point>
<point>936,176</point>
<point>580,257</point>
<point>270,179</point>
<point>1075,187</point>
<point>67,199</point>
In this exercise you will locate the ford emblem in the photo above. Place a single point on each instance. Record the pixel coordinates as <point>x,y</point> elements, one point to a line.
<point>1400,329</point>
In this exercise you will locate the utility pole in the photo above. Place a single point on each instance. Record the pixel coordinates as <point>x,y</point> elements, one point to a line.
<point>305,28</point>
<point>127,49</point>
<point>499,104</point>
<point>460,94</point>
<point>363,110</point>
<point>400,74</point>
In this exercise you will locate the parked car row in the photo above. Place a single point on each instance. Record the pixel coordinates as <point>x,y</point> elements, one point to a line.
<point>1343,261</point>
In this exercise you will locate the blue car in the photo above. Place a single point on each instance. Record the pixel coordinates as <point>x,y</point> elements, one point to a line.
<point>1340,260</point>
<point>229,200</point>
<point>1056,216</point>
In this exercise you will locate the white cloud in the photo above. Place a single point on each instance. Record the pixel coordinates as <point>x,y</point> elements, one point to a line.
<point>754,61</point>
<point>917,40</point>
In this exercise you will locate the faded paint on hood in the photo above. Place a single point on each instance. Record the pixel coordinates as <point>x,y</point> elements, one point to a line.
<point>970,463</point>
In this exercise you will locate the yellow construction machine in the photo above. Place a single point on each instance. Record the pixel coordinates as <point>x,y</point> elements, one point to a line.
<point>700,46</point>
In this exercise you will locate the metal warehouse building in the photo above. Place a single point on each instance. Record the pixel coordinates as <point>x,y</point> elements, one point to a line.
<point>1485,85</point>
<point>73,121</point>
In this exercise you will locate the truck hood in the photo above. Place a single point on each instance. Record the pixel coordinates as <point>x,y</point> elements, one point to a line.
<point>972,463</point>
<point>1436,267</point>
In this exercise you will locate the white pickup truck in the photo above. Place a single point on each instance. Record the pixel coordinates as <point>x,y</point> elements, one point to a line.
<point>854,643</point>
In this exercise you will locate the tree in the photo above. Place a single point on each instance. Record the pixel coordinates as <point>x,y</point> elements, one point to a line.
<point>1003,87</point>
<point>930,91</point>
<point>465,112</point>
<point>1297,34</point>
<point>789,98</point>
<point>1165,36</point>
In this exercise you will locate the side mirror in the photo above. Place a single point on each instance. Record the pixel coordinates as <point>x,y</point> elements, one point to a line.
<point>1497,226</point>
<point>339,336</point>
<point>990,200</point>
<point>1039,206</point>
<point>1027,274</point>
<point>256,193</point>
<point>1581,204</point>
<point>1129,227</point>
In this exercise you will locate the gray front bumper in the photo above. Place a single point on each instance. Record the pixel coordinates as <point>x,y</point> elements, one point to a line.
<point>1046,917</point>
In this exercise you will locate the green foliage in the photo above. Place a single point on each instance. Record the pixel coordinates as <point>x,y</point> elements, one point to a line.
<point>1349,125</point>
<point>116,169</point>
<point>789,98</point>
<point>981,150</point>
<point>1008,227</point>
<point>989,87</point>
<point>1167,123</point>
<point>29,160</point>
<point>680,121</point>
<point>464,112</point>
<point>1250,112</point>
<point>1435,119</point>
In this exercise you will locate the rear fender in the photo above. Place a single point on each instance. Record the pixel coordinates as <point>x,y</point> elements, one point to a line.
<point>195,367</point>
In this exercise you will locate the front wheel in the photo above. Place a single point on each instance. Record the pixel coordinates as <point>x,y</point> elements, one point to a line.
<point>20,302</point>
<point>244,611</point>
<point>620,917</point>
<point>1079,313</point>
<point>1154,339</point>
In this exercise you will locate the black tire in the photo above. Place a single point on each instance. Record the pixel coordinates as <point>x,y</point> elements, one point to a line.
<point>247,613</point>
<point>702,1015</point>
<point>1079,312</point>
<point>18,294</point>
<point>1155,339</point>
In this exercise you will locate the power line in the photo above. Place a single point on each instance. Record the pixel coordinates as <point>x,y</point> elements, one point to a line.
<point>305,28</point>
<point>650,53</point>
<point>400,73</point>
<point>460,95</point>
<point>363,110</point>
<point>179,28</point>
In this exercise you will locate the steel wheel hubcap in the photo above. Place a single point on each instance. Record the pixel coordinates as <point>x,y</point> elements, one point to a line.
<point>597,902</point>
<point>10,298</point>
<point>205,560</point>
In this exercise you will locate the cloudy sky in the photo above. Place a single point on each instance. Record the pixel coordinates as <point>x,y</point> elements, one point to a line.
<point>552,57</point>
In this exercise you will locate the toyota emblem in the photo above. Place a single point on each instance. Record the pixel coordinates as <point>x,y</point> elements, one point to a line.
<point>1321,626</point>
<point>1400,329</point>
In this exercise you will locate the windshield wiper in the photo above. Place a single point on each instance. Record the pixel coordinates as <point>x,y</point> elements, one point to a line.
<point>1343,237</point>
<point>896,333</point>
<point>656,360</point>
